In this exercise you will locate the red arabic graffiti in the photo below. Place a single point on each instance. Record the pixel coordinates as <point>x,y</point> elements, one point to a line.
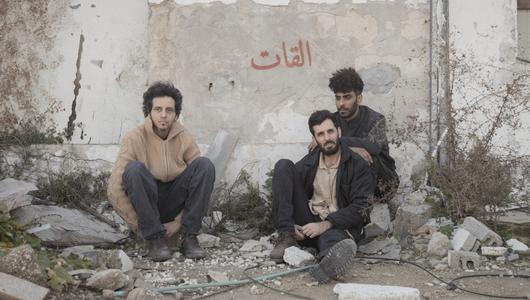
<point>297,57</point>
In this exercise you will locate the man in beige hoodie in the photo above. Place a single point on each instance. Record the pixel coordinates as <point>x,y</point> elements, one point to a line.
<point>159,184</point>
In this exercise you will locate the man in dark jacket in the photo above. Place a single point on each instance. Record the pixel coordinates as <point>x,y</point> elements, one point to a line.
<point>364,131</point>
<point>321,201</point>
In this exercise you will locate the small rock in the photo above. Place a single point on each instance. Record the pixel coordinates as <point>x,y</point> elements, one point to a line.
<point>208,240</point>
<point>297,257</point>
<point>22,262</point>
<point>512,257</point>
<point>255,290</point>
<point>517,246</point>
<point>438,245</point>
<point>107,294</point>
<point>218,276</point>
<point>493,251</point>
<point>251,246</point>
<point>111,279</point>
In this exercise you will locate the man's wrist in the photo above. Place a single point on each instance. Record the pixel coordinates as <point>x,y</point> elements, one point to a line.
<point>327,224</point>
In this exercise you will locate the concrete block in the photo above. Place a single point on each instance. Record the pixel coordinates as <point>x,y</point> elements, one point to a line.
<point>296,257</point>
<point>517,246</point>
<point>410,217</point>
<point>493,251</point>
<point>482,232</point>
<point>12,287</point>
<point>463,260</point>
<point>438,245</point>
<point>357,291</point>
<point>463,240</point>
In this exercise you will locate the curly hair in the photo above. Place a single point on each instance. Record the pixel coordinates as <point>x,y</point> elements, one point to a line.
<point>346,80</point>
<point>161,89</point>
<point>319,116</point>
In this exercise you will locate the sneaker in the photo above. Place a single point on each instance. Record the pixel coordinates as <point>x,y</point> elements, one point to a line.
<point>285,240</point>
<point>190,247</point>
<point>157,249</point>
<point>336,262</point>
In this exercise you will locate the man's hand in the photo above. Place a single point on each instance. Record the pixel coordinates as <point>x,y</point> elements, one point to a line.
<point>298,235</point>
<point>174,226</point>
<point>312,144</point>
<point>363,153</point>
<point>313,230</point>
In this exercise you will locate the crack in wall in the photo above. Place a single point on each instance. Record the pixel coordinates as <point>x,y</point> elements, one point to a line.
<point>70,126</point>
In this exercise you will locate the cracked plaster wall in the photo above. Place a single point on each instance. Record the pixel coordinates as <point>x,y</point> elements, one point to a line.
<point>223,58</point>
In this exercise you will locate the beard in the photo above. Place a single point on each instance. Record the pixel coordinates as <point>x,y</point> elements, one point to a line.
<point>349,113</point>
<point>329,151</point>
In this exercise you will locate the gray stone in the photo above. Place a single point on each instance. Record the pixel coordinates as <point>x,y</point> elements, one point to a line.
<point>410,217</point>
<point>380,221</point>
<point>12,287</point>
<point>463,260</point>
<point>297,257</point>
<point>111,279</point>
<point>357,291</point>
<point>13,194</point>
<point>463,240</point>
<point>218,276</point>
<point>208,240</point>
<point>77,250</point>
<point>252,246</point>
<point>66,227</point>
<point>438,245</point>
<point>493,251</point>
<point>115,259</point>
<point>22,262</point>
<point>210,222</point>
<point>512,257</point>
<point>482,232</point>
<point>517,246</point>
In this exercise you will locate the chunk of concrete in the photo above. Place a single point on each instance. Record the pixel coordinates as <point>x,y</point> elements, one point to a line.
<point>463,240</point>
<point>482,232</point>
<point>13,194</point>
<point>252,246</point>
<point>14,288</point>
<point>517,246</point>
<point>438,245</point>
<point>111,279</point>
<point>410,217</point>
<point>22,262</point>
<point>218,276</point>
<point>357,291</point>
<point>208,240</point>
<point>297,257</point>
<point>66,227</point>
<point>493,251</point>
<point>380,222</point>
<point>466,260</point>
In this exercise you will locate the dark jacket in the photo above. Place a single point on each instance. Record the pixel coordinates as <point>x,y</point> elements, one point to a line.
<point>355,185</point>
<point>368,130</point>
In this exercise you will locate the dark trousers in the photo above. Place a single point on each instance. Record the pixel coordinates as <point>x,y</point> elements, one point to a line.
<point>158,202</point>
<point>290,206</point>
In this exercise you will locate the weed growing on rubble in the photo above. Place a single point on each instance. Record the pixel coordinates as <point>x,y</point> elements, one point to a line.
<point>13,235</point>
<point>244,201</point>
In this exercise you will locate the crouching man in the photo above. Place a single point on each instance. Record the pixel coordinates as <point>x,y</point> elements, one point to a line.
<point>159,184</point>
<point>322,200</point>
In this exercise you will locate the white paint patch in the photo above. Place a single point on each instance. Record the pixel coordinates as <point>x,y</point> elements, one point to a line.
<point>288,126</point>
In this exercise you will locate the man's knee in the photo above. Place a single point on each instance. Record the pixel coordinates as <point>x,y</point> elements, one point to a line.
<point>204,164</point>
<point>134,168</point>
<point>283,165</point>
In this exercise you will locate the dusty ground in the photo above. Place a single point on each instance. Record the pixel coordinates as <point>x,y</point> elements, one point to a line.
<point>228,260</point>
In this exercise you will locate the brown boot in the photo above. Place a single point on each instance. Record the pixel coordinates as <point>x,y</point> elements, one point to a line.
<point>285,240</point>
<point>157,249</point>
<point>190,247</point>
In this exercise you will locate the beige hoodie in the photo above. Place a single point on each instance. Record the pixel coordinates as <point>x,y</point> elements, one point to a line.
<point>165,159</point>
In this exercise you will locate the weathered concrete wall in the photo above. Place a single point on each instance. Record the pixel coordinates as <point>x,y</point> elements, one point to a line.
<point>258,71</point>
<point>73,64</point>
<point>483,56</point>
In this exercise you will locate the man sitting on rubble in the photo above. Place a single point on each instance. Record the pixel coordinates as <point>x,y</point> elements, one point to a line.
<point>321,201</point>
<point>159,184</point>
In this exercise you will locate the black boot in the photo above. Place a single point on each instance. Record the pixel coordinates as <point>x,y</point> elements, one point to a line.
<point>285,240</point>
<point>190,247</point>
<point>157,249</point>
<point>336,262</point>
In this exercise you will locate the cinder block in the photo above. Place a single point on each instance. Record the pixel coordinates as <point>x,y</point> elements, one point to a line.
<point>493,251</point>
<point>12,287</point>
<point>463,240</point>
<point>466,260</point>
<point>356,291</point>
<point>482,232</point>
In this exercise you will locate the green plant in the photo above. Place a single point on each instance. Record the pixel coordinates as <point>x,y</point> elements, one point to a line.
<point>244,201</point>
<point>12,235</point>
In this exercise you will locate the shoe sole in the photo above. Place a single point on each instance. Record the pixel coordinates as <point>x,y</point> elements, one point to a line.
<point>336,262</point>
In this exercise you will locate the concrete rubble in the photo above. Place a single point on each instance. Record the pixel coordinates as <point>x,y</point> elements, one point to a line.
<point>12,287</point>
<point>111,279</point>
<point>381,223</point>
<point>356,291</point>
<point>23,256</point>
<point>438,245</point>
<point>297,257</point>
